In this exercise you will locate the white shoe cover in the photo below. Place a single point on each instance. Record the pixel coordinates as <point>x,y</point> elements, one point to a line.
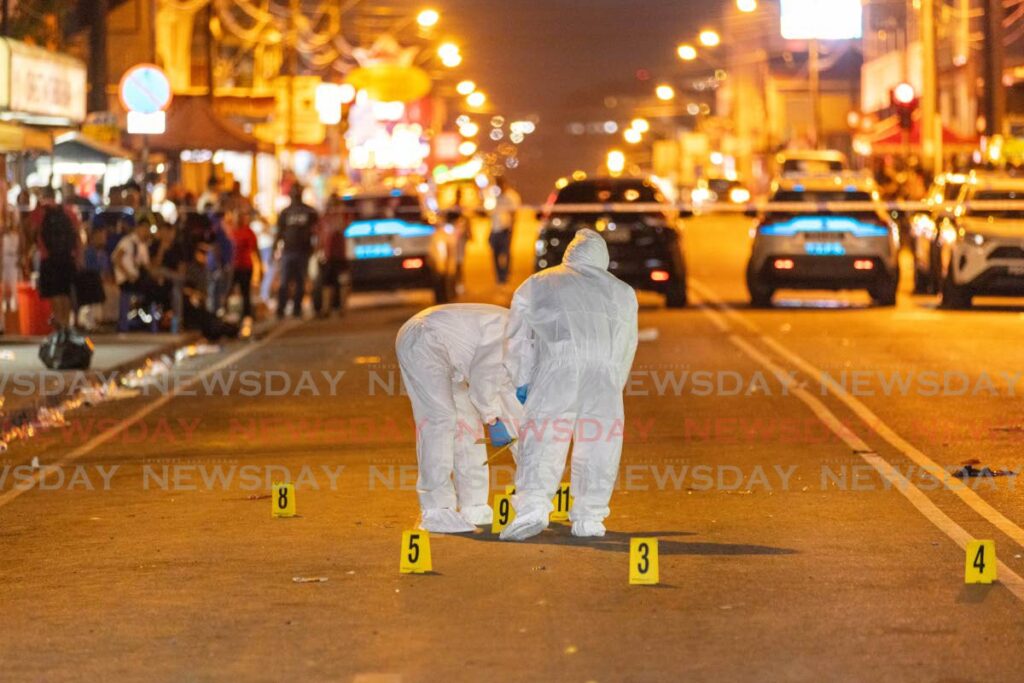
<point>525,526</point>
<point>478,514</point>
<point>587,528</point>
<point>445,521</point>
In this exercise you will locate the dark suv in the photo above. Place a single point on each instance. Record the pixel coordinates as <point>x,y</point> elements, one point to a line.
<point>643,232</point>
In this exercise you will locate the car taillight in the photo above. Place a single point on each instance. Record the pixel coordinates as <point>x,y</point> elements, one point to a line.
<point>863,264</point>
<point>659,275</point>
<point>412,263</point>
<point>784,264</point>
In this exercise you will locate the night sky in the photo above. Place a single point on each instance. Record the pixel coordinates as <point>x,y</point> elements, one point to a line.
<point>560,59</point>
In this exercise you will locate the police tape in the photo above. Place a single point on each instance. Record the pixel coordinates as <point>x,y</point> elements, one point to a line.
<point>684,209</point>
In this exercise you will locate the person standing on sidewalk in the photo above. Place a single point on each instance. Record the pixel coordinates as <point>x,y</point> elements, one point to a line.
<point>60,248</point>
<point>503,218</point>
<point>295,228</point>
<point>333,259</point>
<point>244,240</point>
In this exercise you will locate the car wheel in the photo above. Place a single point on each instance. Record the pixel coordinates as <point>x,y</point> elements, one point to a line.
<point>675,296</point>
<point>883,292</point>
<point>760,293</point>
<point>954,296</point>
<point>922,282</point>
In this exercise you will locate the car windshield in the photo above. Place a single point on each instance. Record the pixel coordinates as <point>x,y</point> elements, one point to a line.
<point>822,197</point>
<point>607,193</point>
<point>991,204</point>
<point>404,207</point>
<point>811,166</point>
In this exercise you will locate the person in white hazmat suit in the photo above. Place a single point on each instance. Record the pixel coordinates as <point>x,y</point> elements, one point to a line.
<point>572,337</point>
<point>451,358</point>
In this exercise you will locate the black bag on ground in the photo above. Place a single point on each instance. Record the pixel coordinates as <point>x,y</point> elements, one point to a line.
<point>66,350</point>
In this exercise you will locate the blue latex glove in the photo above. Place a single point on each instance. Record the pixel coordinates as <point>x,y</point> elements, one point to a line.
<point>498,434</point>
<point>521,393</point>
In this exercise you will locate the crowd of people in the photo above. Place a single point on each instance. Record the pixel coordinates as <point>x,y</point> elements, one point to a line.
<point>175,264</point>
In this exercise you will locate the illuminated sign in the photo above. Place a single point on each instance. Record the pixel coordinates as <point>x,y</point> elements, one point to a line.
<point>145,89</point>
<point>37,83</point>
<point>821,20</point>
<point>140,123</point>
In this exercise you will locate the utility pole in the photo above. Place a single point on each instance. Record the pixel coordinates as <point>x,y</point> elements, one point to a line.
<point>931,127</point>
<point>97,54</point>
<point>995,95</point>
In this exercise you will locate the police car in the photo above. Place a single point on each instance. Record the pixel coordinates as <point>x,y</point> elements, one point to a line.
<point>824,232</point>
<point>394,241</point>
<point>982,243</point>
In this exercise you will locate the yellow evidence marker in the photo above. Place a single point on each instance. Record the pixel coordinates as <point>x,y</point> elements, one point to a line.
<point>510,489</point>
<point>282,499</point>
<point>503,512</point>
<point>643,561</point>
<point>415,557</point>
<point>562,502</point>
<point>980,563</point>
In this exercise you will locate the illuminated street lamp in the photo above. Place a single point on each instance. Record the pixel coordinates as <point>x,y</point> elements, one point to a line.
<point>616,162</point>
<point>640,125</point>
<point>633,136</point>
<point>476,99</point>
<point>709,38</point>
<point>665,92</point>
<point>467,148</point>
<point>449,54</point>
<point>465,87</point>
<point>746,5</point>
<point>428,18</point>
<point>686,52</point>
<point>469,129</point>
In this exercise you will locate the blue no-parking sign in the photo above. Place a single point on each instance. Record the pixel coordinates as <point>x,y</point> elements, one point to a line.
<point>145,89</point>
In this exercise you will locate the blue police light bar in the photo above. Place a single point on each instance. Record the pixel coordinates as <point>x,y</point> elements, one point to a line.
<point>836,224</point>
<point>388,226</point>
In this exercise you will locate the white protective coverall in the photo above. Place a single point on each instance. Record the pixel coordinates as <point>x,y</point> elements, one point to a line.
<point>572,337</point>
<point>451,359</point>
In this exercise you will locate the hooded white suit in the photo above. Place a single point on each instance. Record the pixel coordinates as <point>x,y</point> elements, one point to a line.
<point>572,337</point>
<point>451,362</point>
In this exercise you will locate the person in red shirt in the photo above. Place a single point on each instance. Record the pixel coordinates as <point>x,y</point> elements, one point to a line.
<point>246,255</point>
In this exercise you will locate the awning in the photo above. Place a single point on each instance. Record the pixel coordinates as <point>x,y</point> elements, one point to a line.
<point>193,124</point>
<point>17,138</point>
<point>76,148</point>
<point>888,137</point>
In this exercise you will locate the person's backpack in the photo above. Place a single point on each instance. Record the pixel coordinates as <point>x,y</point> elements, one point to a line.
<point>58,234</point>
<point>66,350</point>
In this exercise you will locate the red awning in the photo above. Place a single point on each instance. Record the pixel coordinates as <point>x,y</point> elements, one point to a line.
<point>193,124</point>
<point>889,134</point>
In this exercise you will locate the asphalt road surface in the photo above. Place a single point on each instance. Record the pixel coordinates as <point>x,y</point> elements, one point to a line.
<point>785,459</point>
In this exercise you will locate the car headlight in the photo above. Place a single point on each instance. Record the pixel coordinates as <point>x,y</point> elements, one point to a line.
<point>739,195</point>
<point>975,238</point>
<point>922,226</point>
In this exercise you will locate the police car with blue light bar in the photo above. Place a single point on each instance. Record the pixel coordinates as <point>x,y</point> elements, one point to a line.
<point>394,241</point>
<point>824,232</point>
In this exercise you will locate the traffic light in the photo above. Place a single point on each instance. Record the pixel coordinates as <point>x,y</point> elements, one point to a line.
<point>904,101</point>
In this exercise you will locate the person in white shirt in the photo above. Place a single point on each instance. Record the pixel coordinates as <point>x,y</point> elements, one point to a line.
<point>130,262</point>
<point>503,218</point>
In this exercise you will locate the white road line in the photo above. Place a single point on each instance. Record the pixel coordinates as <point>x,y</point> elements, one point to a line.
<point>917,498</point>
<point>962,490</point>
<point>23,486</point>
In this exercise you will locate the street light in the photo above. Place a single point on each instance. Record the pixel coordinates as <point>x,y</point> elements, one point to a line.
<point>709,38</point>
<point>449,54</point>
<point>633,136</point>
<point>746,5</point>
<point>428,18</point>
<point>469,129</point>
<point>467,148</point>
<point>476,99</point>
<point>616,162</point>
<point>465,87</point>
<point>665,92</point>
<point>640,125</point>
<point>686,52</point>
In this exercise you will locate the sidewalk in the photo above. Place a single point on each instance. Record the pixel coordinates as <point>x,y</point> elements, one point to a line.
<point>21,368</point>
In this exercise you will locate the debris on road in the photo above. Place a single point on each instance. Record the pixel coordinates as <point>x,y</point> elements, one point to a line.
<point>647,334</point>
<point>968,470</point>
<point>309,579</point>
